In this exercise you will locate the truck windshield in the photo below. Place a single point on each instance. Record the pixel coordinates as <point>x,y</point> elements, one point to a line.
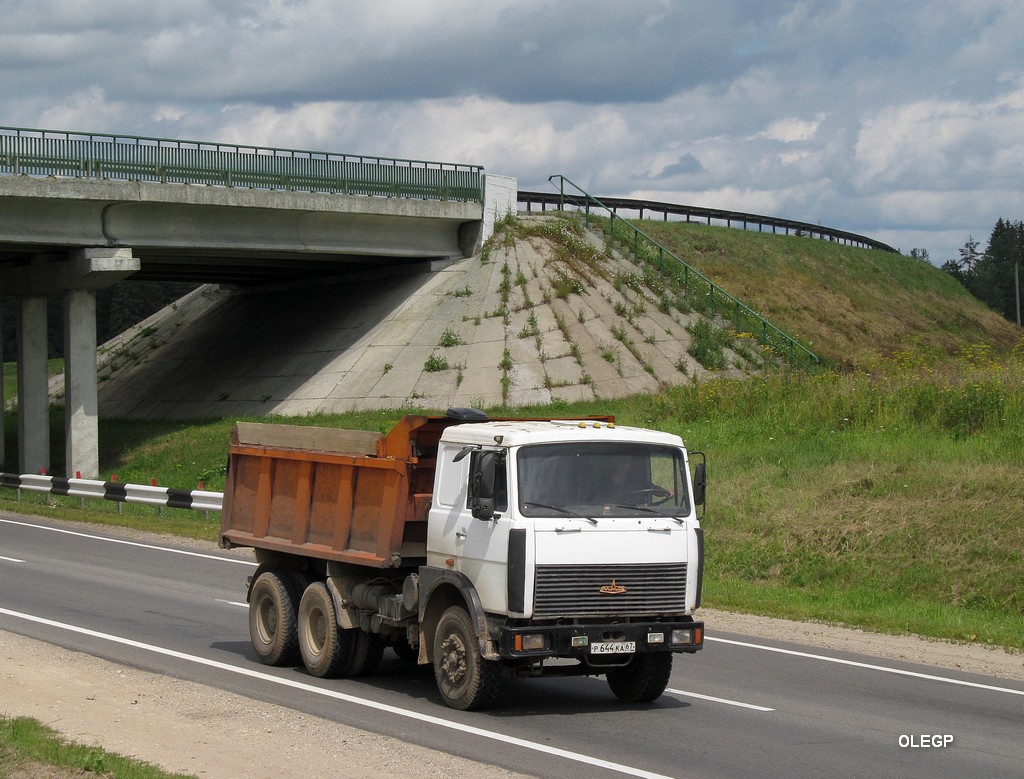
<point>602,479</point>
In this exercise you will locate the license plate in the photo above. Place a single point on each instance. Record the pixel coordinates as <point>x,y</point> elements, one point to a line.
<point>613,647</point>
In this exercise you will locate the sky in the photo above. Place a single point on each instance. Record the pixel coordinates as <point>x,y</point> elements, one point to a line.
<point>902,120</point>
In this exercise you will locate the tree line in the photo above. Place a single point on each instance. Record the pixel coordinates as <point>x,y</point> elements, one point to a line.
<point>993,275</point>
<point>118,307</point>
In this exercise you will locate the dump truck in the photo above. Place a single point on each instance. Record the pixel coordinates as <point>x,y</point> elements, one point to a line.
<point>487,548</point>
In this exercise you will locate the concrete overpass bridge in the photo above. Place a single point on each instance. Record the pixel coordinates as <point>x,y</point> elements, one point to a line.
<point>79,212</point>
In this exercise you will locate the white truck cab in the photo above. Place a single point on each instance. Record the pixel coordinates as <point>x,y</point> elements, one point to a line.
<point>580,537</point>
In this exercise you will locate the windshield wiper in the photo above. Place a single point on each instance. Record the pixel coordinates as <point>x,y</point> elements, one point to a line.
<point>563,509</point>
<point>648,509</point>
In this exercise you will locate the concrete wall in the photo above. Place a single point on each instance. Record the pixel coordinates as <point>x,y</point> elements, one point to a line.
<point>500,199</point>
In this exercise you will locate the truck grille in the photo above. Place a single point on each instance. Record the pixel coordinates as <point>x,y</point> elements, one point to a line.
<point>576,590</point>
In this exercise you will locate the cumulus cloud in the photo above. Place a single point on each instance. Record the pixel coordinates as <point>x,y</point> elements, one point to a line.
<point>898,120</point>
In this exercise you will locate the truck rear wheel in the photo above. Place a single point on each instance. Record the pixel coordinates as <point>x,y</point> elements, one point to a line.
<point>273,606</point>
<point>325,649</point>
<point>465,679</point>
<point>405,651</point>
<point>644,679</point>
<point>366,653</point>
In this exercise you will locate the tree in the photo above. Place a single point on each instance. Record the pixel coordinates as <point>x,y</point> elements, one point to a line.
<point>993,276</point>
<point>969,256</point>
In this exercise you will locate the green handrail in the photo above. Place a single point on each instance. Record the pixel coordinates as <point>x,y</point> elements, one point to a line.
<point>32,152</point>
<point>744,318</point>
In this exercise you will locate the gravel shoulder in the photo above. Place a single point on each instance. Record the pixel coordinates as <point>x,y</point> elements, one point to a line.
<point>190,728</point>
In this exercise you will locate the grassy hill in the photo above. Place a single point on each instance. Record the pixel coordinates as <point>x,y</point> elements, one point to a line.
<point>884,492</point>
<point>847,304</point>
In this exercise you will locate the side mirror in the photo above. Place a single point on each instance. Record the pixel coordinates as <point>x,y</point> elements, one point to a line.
<point>485,475</point>
<point>700,484</point>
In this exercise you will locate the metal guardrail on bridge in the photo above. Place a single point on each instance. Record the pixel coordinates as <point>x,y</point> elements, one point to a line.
<point>697,285</point>
<point>713,215</point>
<point>33,152</point>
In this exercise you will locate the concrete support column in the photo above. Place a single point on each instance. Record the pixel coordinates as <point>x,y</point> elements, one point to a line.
<point>3,407</point>
<point>33,391</point>
<point>81,427</point>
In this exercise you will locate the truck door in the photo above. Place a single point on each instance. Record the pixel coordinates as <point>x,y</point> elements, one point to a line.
<point>476,545</point>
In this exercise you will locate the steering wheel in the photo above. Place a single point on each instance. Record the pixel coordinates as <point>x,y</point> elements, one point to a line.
<point>653,492</point>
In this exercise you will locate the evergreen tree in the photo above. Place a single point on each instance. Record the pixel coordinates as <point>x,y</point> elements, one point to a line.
<point>969,256</point>
<point>992,276</point>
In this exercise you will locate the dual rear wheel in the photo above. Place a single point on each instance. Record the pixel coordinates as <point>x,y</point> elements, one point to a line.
<point>291,619</point>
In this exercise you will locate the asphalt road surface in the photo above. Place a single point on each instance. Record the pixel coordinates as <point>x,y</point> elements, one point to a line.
<point>744,706</point>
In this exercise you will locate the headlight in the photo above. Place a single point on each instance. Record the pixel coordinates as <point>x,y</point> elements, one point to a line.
<point>683,636</point>
<point>530,642</point>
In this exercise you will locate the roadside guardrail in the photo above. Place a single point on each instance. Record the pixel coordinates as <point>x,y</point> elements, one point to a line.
<point>120,492</point>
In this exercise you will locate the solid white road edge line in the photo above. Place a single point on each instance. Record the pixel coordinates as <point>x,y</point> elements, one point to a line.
<point>869,666</point>
<point>443,723</point>
<point>250,563</point>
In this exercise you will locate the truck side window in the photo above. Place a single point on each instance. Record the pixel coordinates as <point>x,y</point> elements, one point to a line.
<point>500,484</point>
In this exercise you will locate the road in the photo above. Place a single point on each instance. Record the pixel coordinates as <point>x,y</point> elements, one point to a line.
<point>744,706</point>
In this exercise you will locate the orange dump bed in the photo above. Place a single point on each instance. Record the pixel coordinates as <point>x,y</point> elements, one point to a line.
<point>346,495</point>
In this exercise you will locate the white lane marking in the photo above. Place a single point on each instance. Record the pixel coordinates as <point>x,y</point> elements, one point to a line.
<point>232,602</point>
<point>427,718</point>
<point>869,666</point>
<point>131,543</point>
<point>11,559</point>
<point>688,694</point>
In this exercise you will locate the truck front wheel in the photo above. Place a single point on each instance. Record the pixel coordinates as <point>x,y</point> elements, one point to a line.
<point>273,605</point>
<point>325,649</point>
<point>465,679</point>
<point>644,679</point>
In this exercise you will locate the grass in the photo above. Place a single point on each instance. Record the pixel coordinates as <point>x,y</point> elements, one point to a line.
<point>25,741</point>
<point>845,304</point>
<point>708,344</point>
<point>53,366</point>
<point>883,497</point>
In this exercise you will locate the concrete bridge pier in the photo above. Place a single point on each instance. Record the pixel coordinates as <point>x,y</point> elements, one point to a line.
<point>81,407</point>
<point>77,278</point>
<point>33,397</point>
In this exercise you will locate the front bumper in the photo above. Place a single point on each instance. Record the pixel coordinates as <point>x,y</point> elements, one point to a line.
<point>577,640</point>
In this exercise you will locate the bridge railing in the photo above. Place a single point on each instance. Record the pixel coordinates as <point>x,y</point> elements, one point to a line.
<point>738,219</point>
<point>698,287</point>
<point>34,152</point>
